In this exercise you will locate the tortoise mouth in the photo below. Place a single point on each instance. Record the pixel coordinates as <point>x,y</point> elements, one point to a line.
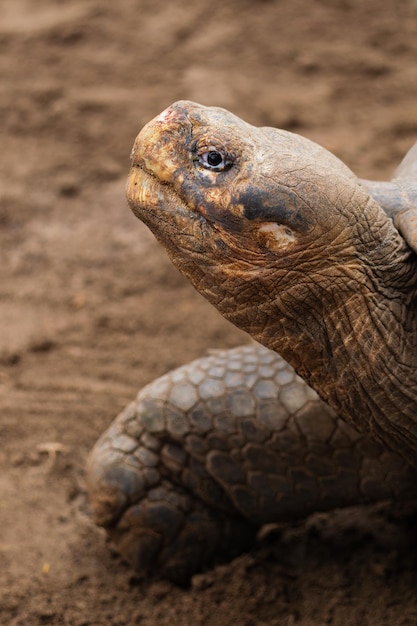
<point>149,198</point>
<point>173,222</point>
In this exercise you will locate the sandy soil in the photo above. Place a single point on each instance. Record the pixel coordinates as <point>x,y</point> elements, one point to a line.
<point>91,309</point>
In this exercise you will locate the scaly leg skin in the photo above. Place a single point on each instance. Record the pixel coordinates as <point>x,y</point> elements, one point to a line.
<point>209,452</point>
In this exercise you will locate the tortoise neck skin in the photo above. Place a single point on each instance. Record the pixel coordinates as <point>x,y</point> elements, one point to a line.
<point>279,236</point>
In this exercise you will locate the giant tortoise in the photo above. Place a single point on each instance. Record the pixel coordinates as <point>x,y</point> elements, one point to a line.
<point>320,411</point>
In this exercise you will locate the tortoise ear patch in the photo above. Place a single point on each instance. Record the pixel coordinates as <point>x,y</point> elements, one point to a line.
<point>276,237</point>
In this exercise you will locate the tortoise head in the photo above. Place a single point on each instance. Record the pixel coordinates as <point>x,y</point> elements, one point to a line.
<point>253,216</point>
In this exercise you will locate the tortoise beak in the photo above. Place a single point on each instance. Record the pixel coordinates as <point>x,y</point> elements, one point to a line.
<point>161,145</point>
<point>142,192</point>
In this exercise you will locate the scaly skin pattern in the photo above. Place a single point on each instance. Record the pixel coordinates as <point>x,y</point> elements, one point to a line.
<point>211,451</point>
<point>285,241</point>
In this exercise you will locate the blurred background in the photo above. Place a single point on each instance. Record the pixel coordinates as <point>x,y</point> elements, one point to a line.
<point>90,308</point>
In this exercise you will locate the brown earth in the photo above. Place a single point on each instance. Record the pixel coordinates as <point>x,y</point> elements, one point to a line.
<point>91,309</point>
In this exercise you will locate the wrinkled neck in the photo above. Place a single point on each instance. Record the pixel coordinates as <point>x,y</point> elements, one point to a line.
<point>346,321</point>
<point>356,346</point>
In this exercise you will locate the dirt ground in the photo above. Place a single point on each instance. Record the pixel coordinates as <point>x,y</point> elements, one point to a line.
<point>91,309</point>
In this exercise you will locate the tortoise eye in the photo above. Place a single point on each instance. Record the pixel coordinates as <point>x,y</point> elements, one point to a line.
<point>214,160</point>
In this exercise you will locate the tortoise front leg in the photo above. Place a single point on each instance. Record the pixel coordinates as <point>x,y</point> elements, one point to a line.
<point>211,451</point>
